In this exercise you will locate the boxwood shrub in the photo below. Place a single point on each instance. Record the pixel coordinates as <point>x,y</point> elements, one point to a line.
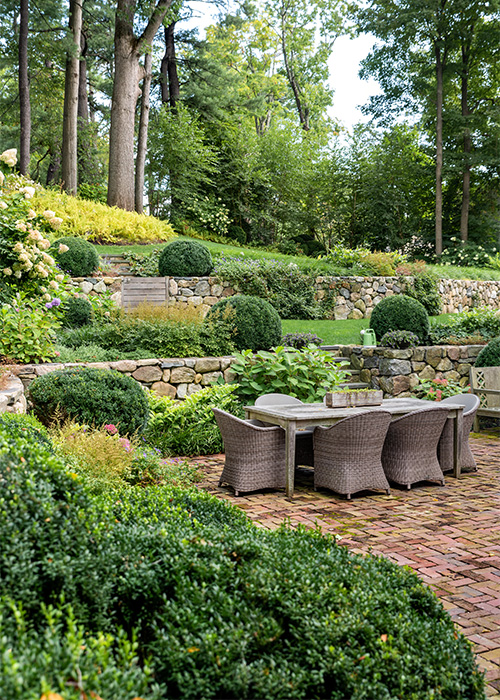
<point>489,356</point>
<point>92,396</point>
<point>220,607</point>
<point>185,259</point>
<point>400,313</point>
<point>81,258</point>
<point>257,325</point>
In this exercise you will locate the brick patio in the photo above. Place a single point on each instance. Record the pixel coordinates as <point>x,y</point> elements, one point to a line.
<point>449,535</point>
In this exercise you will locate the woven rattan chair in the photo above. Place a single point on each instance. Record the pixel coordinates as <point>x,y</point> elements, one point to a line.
<point>347,455</point>
<point>470,402</point>
<point>304,453</point>
<point>410,448</point>
<point>255,456</point>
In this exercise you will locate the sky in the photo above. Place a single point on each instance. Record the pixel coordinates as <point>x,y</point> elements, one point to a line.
<point>349,90</point>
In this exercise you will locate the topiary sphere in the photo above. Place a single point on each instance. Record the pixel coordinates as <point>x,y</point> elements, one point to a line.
<point>80,260</point>
<point>257,325</point>
<point>92,396</point>
<point>489,355</point>
<point>185,259</point>
<point>400,313</point>
<point>77,312</point>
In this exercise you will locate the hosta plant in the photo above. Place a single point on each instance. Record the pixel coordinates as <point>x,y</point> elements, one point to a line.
<point>306,374</point>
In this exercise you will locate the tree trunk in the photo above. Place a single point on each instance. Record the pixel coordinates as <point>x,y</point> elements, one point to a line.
<point>53,169</point>
<point>302,109</point>
<point>70,115</point>
<point>170,88</point>
<point>128,49</point>
<point>24,91</point>
<point>464,214</point>
<point>142,139</point>
<point>439,150</point>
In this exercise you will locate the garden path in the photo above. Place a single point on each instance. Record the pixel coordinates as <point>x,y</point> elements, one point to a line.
<point>449,535</point>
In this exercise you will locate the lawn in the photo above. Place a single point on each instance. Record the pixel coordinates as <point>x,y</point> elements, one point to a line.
<point>445,271</point>
<point>336,332</point>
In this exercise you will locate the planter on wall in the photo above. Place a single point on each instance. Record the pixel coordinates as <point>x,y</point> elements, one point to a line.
<point>344,399</point>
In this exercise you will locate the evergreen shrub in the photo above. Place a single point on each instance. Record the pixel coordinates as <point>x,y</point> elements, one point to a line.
<point>80,260</point>
<point>92,396</point>
<point>214,606</point>
<point>489,355</point>
<point>185,259</point>
<point>400,313</point>
<point>77,312</point>
<point>257,325</point>
<point>399,340</point>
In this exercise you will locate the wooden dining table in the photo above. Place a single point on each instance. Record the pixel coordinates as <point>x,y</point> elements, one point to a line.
<point>294,417</point>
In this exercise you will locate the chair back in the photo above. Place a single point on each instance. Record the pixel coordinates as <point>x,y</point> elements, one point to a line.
<point>481,380</point>
<point>276,400</point>
<point>470,402</point>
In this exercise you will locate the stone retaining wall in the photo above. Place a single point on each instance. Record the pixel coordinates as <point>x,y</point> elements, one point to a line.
<point>175,377</point>
<point>12,399</point>
<point>398,372</point>
<point>355,297</point>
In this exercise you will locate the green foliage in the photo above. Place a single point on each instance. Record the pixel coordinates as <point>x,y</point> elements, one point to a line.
<point>438,389</point>
<point>285,286</point>
<point>184,259</point>
<point>400,313</point>
<point>256,323</point>
<point>77,312</point>
<point>188,427</point>
<point>27,331</point>
<point>489,355</point>
<point>300,340</point>
<point>423,287</point>
<point>129,336</point>
<point>92,396</point>
<point>158,562</point>
<point>399,340</point>
<point>143,265</point>
<point>237,233</point>
<point>80,260</point>
<point>100,223</point>
<point>21,426</point>
<point>465,255</point>
<point>307,373</point>
<point>94,192</point>
<point>476,324</point>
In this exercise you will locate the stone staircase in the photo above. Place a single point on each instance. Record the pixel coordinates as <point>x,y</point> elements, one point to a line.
<point>354,382</point>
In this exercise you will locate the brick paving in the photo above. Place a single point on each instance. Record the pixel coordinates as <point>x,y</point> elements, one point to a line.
<point>449,535</point>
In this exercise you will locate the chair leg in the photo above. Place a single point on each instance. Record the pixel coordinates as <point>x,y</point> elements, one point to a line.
<point>476,424</point>
<point>348,496</point>
<point>236,493</point>
<point>408,487</point>
<point>388,492</point>
<point>220,481</point>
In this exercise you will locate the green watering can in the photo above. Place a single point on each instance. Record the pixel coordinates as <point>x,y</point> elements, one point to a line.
<point>368,336</point>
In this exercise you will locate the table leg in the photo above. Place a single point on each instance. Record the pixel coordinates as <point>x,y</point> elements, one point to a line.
<point>457,442</point>
<point>290,432</point>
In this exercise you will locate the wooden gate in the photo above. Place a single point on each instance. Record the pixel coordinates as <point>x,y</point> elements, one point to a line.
<point>136,290</point>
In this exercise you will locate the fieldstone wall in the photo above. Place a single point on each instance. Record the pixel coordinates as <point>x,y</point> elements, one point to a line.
<point>354,297</point>
<point>176,377</point>
<point>12,399</point>
<point>398,372</point>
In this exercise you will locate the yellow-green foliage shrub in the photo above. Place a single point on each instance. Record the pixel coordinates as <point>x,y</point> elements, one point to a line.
<point>100,223</point>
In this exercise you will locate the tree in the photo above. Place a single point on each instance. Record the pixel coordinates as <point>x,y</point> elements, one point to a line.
<point>24,91</point>
<point>127,74</point>
<point>71,92</point>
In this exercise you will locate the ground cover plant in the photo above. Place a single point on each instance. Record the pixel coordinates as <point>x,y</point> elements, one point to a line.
<point>475,325</point>
<point>172,593</point>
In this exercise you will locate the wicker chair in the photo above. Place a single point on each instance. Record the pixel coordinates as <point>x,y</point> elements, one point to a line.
<point>304,453</point>
<point>255,456</point>
<point>410,448</point>
<point>347,455</point>
<point>470,402</point>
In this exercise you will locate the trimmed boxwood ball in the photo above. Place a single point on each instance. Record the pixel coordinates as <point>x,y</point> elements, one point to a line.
<point>489,355</point>
<point>185,259</point>
<point>77,312</point>
<point>80,260</point>
<point>257,325</point>
<point>92,396</point>
<point>400,313</point>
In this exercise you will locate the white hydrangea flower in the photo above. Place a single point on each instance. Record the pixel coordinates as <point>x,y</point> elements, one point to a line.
<point>3,205</point>
<point>29,192</point>
<point>55,221</point>
<point>18,248</point>
<point>47,297</point>
<point>59,278</point>
<point>31,214</point>
<point>2,178</point>
<point>63,248</point>
<point>53,284</point>
<point>21,226</point>
<point>18,274</point>
<point>7,271</point>
<point>9,157</point>
<point>48,214</point>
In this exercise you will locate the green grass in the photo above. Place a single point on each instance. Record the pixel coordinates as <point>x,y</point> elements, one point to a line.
<point>336,332</point>
<point>305,263</point>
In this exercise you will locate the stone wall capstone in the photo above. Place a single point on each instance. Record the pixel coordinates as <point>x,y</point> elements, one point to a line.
<point>12,399</point>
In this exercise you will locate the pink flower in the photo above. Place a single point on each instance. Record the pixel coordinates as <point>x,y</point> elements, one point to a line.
<point>112,429</point>
<point>439,393</point>
<point>126,444</point>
